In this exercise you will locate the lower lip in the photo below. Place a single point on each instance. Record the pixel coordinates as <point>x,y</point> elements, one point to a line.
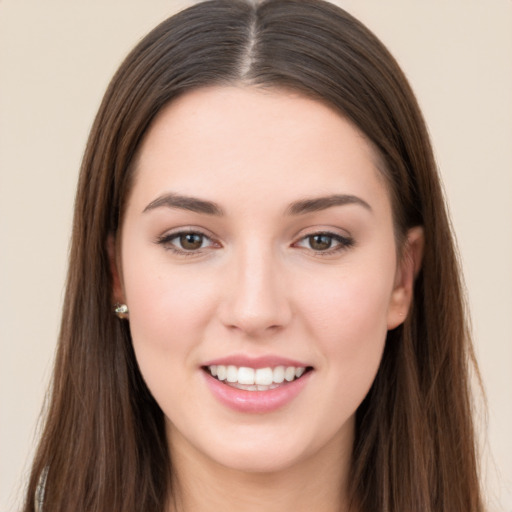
<point>256,402</point>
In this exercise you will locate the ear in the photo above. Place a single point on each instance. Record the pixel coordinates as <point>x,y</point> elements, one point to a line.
<point>407,270</point>
<point>115,270</point>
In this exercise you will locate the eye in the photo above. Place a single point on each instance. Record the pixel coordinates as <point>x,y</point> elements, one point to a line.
<point>325,242</point>
<point>320,242</point>
<point>190,241</point>
<point>186,242</point>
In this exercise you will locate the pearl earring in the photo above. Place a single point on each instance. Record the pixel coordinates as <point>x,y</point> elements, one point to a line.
<point>121,310</point>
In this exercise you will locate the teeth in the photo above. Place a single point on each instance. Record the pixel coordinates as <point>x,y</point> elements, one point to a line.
<point>263,377</point>
<point>221,372</point>
<point>260,379</point>
<point>278,374</point>
<point>289,373</point>
<point>245,375</point>
<point>232,374</point>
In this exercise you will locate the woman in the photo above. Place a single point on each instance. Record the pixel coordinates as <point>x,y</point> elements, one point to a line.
<point>259,207</point>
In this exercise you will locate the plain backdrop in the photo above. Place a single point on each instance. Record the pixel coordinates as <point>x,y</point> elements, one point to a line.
<point>56,58</point>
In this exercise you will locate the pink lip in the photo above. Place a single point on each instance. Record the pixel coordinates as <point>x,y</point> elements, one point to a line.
<point>255,362</point>
<point>258,402</point>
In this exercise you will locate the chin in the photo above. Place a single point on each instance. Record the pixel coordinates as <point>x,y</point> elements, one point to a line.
<point>258,459</point>
<point>267,448</point>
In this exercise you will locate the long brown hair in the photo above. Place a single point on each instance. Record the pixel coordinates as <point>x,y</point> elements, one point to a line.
<point>104,446</point>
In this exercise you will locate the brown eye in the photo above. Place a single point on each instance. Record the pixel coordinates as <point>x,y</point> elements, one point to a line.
<point>320,242</point>
<point>325,243</point>
<point>191,241</point>
<point>187,243</point>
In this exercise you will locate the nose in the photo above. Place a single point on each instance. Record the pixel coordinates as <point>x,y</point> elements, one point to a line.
<point>256,300</point>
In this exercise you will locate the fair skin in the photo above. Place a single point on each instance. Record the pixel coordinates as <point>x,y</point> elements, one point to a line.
<point>259,234</point>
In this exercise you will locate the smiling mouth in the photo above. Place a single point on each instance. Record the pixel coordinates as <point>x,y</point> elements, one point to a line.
<point>256,379</point>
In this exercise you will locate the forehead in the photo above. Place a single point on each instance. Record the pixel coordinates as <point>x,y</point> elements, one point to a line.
<point>259,141</point>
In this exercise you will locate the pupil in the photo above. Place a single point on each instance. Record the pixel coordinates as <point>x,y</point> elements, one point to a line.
<point>320,242</point>
<point>191,241</point>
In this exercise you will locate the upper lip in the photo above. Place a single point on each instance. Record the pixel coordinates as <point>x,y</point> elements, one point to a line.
<point>256,362</point>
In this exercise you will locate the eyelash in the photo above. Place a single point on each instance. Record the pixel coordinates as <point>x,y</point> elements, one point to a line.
<point>342,242</point>
<point>167,242</point>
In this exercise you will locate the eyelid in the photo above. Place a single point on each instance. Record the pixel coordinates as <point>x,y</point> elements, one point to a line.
<point>166,239</point>
<point>343,242</point>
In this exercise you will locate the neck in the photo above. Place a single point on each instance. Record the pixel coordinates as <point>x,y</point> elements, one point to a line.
<point>319,483</point>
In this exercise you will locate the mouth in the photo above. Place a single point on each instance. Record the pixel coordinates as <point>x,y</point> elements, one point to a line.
<point>256,379</point>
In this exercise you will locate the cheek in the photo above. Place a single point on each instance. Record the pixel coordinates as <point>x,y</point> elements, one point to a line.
<point>168,305</point>
<point>348,317</point>
<point>354,301</point>
<point>169,315</point>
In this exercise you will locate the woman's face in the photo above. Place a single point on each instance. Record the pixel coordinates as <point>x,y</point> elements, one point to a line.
<point>258,246</point>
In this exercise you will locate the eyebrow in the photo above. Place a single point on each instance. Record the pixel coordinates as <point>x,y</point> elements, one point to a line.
<point>316,204</point>
<point>181,202</point>
<point>299,207</point>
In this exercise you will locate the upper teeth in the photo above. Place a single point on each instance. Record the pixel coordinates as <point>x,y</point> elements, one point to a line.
<point>259,376</point>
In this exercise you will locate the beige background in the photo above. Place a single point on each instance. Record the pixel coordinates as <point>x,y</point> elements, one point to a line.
<point>56,58</point>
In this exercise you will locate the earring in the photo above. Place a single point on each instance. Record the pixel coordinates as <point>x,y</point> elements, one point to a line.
<point>121,310</point>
